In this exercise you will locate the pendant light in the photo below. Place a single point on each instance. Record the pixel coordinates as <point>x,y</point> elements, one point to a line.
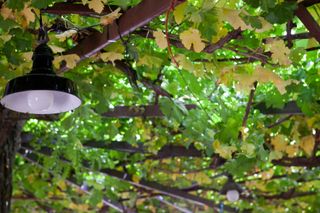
<point>232,190</point>
<point>41,91</point>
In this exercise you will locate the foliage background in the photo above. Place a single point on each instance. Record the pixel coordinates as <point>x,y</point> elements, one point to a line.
<point>261,159</point>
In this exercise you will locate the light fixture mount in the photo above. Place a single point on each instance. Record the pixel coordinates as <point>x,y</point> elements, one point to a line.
<point>41,91</point>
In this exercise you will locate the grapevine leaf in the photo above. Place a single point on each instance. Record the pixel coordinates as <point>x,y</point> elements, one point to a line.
<point>179,12</point>
<point>111,17</point>
<point>96,5</point>
<point>191,38</point>
<point>160,39</point>
<point>307,144</point>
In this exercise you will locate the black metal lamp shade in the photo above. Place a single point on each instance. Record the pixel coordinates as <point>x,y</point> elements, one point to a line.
<point>41,91</point>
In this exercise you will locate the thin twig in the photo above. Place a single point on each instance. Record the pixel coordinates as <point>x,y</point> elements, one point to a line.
<point>248,108</point>
<point>167,33</point>
<point>219,44</point>
<point>280,121</point>
<point>250,54</point>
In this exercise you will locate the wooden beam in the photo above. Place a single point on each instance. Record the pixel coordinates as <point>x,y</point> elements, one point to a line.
<point>289,108</point>
<point>308,3</point>
<point>154,110</point>
<point>310,23</point>
<point>139,111</point>
<point>132,19</point>
<point>168,151</point>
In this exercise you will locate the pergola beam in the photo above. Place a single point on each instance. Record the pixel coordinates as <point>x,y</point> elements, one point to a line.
<point>139,111</point>
<point>308,3</point>
<point>170,151</point>
<point>155,111</point>
<point>310,23</point>
<point>290,108</point>
<point>132,19</point>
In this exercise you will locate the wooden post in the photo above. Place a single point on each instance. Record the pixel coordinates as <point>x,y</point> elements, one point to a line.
<point>10,130</point>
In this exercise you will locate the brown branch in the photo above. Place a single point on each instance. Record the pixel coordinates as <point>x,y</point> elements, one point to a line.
<point>263,57</point>
<point>289,27</point>
<point>280,121</point>
<point>231,35</point>
<point>32,198</point>
<point>296,36</point>
<point>288,195</point>
<point>248,109</point>
<point>130,72</point>
<point>249,104</point>
<point>298,161</point>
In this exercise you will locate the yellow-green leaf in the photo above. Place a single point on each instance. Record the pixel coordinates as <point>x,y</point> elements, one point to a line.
<point>108,19</point>
<point>307,144</point>
<point>28,14</point>
<point>71,60</point>
<point>111,56</point>
<point>191,38</point>
<point>136,178</point>
<point>179,12</point>
<point>280,52</point>
<point>66,34</point>
<point>6,13</point>
<point>292,150</point>
<point>248,148</point>
<point>96,5</point>
<point>279,143</point>
<point>149,61</point>
<point>275,155</point>
<point>224,151</point>
<point>160,39</point>
<point>262,75</point>
<point>56,49</point>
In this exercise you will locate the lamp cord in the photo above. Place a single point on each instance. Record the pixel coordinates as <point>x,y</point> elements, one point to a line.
<point>124,42</point>
<point>42,35</point>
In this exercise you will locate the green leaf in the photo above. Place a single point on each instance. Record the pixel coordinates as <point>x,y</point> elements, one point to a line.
<point>172,109</point>
<point>16,4</point>
<point>43,3</point>
<point>96,197</point>
<point>254,21</point>
<point>240,165</point>
<point>207,25</point>
<point>297,54</point>
<point>265,5</point>
<point>281,13</point>
<point>6,25</point>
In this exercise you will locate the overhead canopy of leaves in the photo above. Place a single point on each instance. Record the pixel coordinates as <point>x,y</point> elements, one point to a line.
<point>219,50</point>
